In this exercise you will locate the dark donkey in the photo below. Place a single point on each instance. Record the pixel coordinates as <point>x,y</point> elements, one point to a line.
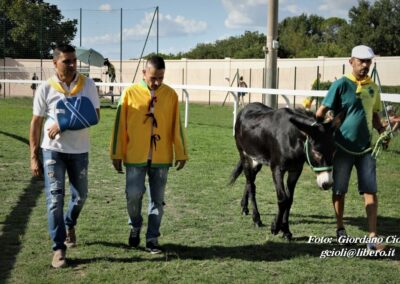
<point>283,139</point>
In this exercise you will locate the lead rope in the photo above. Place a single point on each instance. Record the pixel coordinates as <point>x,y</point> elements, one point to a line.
<point>385,136</point>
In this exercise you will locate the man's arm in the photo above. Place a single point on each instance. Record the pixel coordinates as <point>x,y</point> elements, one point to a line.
<point>34,144</point>
<point>376,123</point>
<point>321,112</point>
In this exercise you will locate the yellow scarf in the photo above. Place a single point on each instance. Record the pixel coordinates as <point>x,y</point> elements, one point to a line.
<point>76,89</point>
<point>366,81</point>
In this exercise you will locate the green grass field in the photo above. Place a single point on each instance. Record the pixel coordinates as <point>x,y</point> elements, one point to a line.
<point>205,237</point>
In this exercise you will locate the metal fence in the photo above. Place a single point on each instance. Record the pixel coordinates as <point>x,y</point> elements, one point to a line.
<point>116,33</point>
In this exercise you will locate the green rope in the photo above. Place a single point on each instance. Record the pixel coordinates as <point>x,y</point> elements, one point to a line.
<point>382,142</point>
<point>354,153</point>
<point>385,136</point>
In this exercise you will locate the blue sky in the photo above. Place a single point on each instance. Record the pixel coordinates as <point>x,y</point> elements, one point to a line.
<point>182,23</point>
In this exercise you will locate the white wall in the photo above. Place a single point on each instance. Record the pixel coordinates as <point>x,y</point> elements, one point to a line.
<point>293,73</point>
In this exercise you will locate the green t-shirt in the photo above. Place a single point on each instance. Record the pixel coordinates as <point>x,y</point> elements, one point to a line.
<point>355,133</point>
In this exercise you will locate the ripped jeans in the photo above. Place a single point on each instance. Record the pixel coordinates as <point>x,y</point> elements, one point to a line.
<point>55,165</point>
<point>135,189</point>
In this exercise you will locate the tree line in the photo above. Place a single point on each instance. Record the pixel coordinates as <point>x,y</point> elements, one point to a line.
<point>29,28</point>
<point>376,25</point>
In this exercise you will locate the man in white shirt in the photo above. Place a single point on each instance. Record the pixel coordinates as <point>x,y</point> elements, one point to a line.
<point>63,152</point>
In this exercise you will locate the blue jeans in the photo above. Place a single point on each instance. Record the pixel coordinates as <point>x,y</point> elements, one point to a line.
<point>366,172</point>
<point>55,165</point>
<point>135,189</point>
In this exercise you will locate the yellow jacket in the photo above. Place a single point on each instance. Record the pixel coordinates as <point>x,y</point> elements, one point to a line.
<point>131,138</point>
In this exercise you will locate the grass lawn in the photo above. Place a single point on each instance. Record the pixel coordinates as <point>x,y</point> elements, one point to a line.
<point>205,237</point>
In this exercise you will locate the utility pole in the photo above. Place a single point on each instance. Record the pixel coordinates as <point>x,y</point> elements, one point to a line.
<point>271,52</point>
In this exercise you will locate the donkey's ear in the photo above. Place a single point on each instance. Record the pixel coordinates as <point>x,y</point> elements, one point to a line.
<point>307,125</point>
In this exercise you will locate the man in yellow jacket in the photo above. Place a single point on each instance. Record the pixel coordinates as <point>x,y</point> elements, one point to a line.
<point>147,138</point>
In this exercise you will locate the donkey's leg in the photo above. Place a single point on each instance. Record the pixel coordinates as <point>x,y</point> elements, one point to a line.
<point>283,199</point>
<point>250,189</point>
<point>292,179</point>
<point>244,203</point>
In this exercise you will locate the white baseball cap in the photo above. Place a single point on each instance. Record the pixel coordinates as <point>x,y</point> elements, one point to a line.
<point>362,52</point>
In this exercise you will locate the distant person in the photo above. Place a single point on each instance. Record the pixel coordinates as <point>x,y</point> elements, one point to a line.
<point>147,137</point>
<point>392,118</point>
<point>34,85</point>
<point>63,152</point>
<point>241,84</point>
<point>315,86</point>
<point>359,97</point>
<point>110,72</point>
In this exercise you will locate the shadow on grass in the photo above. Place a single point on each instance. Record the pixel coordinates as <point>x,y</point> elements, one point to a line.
<point>108,244</point>
<point>387,226</point>
<point>395,152</point>
<point>270,251</point>
<point>15,226</point>
<point>210,125</point>
<point>74,262</point>
<point>19,138</point>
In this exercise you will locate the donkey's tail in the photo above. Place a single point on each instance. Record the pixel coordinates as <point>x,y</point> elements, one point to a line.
<point>236,173</point>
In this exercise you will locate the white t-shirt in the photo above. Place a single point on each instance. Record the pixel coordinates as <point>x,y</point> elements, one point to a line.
<point>44,103</point>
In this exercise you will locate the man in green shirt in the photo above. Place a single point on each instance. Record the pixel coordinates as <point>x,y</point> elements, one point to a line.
<point>359,97</point>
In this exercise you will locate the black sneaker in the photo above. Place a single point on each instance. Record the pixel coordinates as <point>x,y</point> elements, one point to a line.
<point>153,247</point>
<point>134,237</point>
<point>341,237</point>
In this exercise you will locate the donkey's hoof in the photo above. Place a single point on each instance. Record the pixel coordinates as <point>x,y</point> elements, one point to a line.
<point>287,236</point>
<point>258,224</point>
<point>245,211</point>
<point>274,229</point>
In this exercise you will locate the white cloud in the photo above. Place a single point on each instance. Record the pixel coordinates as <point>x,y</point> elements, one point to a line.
<point>293,8</point>
<point>106,38</point>
<point>337,8</point>
<point>105,7</point>
<point>170,26</point>
<point>245,13</point>
<point>252,14</point>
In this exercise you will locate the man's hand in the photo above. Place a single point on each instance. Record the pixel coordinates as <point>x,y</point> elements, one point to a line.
<point>53,131</point>
<point>34,141</point>
<point>36,167</point>
<point>117,163</point>
<point>179,164</point>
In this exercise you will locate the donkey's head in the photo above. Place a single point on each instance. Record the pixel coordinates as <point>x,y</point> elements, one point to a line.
<point>319,146</point>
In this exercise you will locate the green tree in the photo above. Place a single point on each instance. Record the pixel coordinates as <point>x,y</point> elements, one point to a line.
<point>310,36</point>
<point>292,33</point>
<point>30,27</point>
<point>376,25</point>
<point>248,45</point>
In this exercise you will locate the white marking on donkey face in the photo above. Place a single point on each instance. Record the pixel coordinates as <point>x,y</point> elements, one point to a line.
<point>325,180</point>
